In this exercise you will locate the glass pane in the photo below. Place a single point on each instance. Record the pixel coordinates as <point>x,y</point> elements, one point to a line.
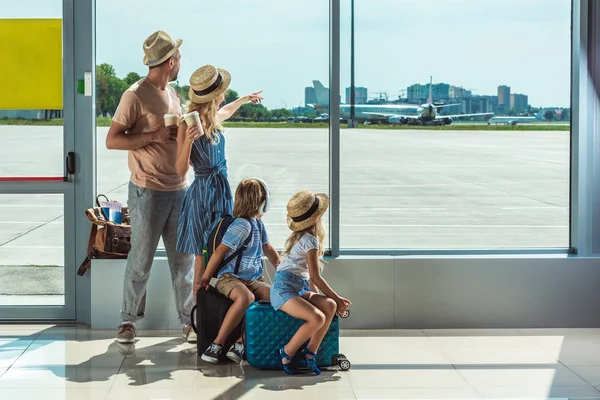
<point>31,99</point>
<point>32,249</point>
<point>465,182</point>
<point>285,142</point>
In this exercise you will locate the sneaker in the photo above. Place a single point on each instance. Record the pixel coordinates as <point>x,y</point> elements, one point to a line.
<point>236,353</point>
<point>213,353</point>
<point>126,333</point>
<point>189,334</point>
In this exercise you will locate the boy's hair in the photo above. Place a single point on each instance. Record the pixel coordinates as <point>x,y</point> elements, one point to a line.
<point>317,230</point>
<point>208,116</point>
<point>249,195</point>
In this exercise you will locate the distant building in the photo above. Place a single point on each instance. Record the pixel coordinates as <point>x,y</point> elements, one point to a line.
<point>519,102</point>
<point>419,93</point>
<point>503,98</point>
<point>456,92</point>
<point>310,96</point>
<point>360,95</point>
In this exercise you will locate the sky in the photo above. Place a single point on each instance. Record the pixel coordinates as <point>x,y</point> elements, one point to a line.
<point>282,46</point>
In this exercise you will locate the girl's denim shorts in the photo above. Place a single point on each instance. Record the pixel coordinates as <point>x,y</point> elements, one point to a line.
<point>286,286</point>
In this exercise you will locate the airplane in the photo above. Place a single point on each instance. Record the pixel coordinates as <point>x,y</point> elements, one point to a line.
<point>517,120</point>
<point>425,114</point>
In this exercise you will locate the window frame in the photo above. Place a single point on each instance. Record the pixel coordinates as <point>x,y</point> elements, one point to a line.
<point>581,228</point>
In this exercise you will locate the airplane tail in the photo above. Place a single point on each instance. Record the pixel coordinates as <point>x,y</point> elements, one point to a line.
<point>430,99</point>
<point>540,115</point>
<point>321,93</point>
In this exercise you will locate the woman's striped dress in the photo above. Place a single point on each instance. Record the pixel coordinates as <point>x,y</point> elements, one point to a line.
<point>208,197</point>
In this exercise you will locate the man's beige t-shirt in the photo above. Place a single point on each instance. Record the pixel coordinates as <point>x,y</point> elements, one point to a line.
<point>141,110</point>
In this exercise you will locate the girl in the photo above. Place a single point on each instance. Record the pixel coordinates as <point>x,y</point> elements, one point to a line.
<point>298,280</point>
<point>209,196</point>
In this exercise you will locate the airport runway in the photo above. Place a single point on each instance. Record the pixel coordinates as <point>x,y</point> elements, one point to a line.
<point>405,189</point>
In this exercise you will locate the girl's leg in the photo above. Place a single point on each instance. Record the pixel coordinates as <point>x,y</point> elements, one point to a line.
<point>328,307</point>
<point>302,309</point>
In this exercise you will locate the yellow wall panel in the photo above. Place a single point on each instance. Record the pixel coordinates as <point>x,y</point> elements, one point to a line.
<point>31,69</point>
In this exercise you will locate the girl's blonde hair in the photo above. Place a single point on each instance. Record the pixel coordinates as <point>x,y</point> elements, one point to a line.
<point>249,196</point>
<point>208,116</point>
<point>317,230</point>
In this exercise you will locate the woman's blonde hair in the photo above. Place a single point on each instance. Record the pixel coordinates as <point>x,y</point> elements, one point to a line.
<point>208,116</point>
<point>317,230</point>
<point>249,196</point>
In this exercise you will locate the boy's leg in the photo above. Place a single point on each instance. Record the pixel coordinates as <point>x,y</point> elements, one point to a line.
<point>237,291</point>
<point>328,307</point>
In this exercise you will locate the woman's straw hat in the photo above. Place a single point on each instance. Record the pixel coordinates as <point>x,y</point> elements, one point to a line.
<point>207,83</point>
<point>159,47</point>
<point>304,208</point>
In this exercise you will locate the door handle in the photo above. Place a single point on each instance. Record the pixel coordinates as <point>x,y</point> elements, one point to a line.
<point>70,165</point>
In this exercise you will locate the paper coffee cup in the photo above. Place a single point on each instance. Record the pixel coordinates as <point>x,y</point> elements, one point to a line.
<point>192,118</point>
<point>171,119</point>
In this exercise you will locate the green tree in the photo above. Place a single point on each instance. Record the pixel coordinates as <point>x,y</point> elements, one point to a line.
<point>231,96</point>
<point>182,91</point>
<point>549,115</point>
<point>109,89</point>
<point>253,112</point>
<point>132,78</point>
<point>281,113</point>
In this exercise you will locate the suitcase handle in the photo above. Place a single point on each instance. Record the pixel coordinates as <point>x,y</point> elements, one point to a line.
<point>192,320</point>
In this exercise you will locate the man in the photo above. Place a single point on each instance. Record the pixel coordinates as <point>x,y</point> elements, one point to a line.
<point>155,190</point>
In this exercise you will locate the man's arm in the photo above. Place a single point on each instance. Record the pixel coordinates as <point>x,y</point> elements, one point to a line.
<point>127,114</point>
<point>118,138</point>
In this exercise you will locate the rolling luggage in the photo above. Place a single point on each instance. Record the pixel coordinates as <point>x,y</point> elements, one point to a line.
<point>266,330</point>
<point>208,315</point>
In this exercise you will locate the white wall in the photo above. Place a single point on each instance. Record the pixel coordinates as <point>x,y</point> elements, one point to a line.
<point>411,293</point>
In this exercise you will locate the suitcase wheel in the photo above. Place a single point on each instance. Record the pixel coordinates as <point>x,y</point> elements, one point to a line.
<point>341,362</point>
<point>344,314</point>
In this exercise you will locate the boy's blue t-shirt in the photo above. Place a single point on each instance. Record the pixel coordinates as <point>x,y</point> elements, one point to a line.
<point>236,235</point>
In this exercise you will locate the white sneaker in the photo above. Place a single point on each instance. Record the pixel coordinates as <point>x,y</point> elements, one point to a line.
<point>189,334</point>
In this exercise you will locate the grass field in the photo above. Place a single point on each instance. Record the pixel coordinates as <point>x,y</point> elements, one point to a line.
<point>460,126</point>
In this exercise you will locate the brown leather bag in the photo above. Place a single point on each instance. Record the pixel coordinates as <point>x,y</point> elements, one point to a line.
<point>107,239</point>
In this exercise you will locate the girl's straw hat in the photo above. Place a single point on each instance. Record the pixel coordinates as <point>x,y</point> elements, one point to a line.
<point>207,83</point>
<point>304,208</point>
<point>159,47</point>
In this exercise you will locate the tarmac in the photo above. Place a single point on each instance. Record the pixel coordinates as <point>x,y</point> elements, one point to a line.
<point>404,189</point>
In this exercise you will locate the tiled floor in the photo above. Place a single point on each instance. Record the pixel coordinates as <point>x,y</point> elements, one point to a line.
<point>47,362</point>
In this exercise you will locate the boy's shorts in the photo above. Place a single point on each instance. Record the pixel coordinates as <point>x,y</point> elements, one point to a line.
<point>228,282</point>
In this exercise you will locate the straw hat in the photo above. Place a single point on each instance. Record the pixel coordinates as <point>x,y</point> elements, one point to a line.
<point>304,208</point>
<point>207,83</point>
<point>159,47</point>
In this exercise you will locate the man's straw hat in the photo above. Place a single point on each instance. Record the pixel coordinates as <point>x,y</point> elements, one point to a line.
<point>159,47</point>
<point>304,208</point>
<point>207,83</point>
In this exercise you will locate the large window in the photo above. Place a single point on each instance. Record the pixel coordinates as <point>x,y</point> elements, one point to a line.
<point>493,181</point>
<point>462,136</point>
<point>276,46</point>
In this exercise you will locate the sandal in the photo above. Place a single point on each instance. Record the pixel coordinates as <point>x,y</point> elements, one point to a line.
<point>287,368</point>
<point>311,362</point>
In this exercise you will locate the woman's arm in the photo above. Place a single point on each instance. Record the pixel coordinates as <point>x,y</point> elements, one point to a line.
<point>213,264</point>
<point>271,254</point>
<point>228,110</point>
<point>185,138</point>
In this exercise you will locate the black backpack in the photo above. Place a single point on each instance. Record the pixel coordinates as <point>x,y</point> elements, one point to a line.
<point>215,238</point>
